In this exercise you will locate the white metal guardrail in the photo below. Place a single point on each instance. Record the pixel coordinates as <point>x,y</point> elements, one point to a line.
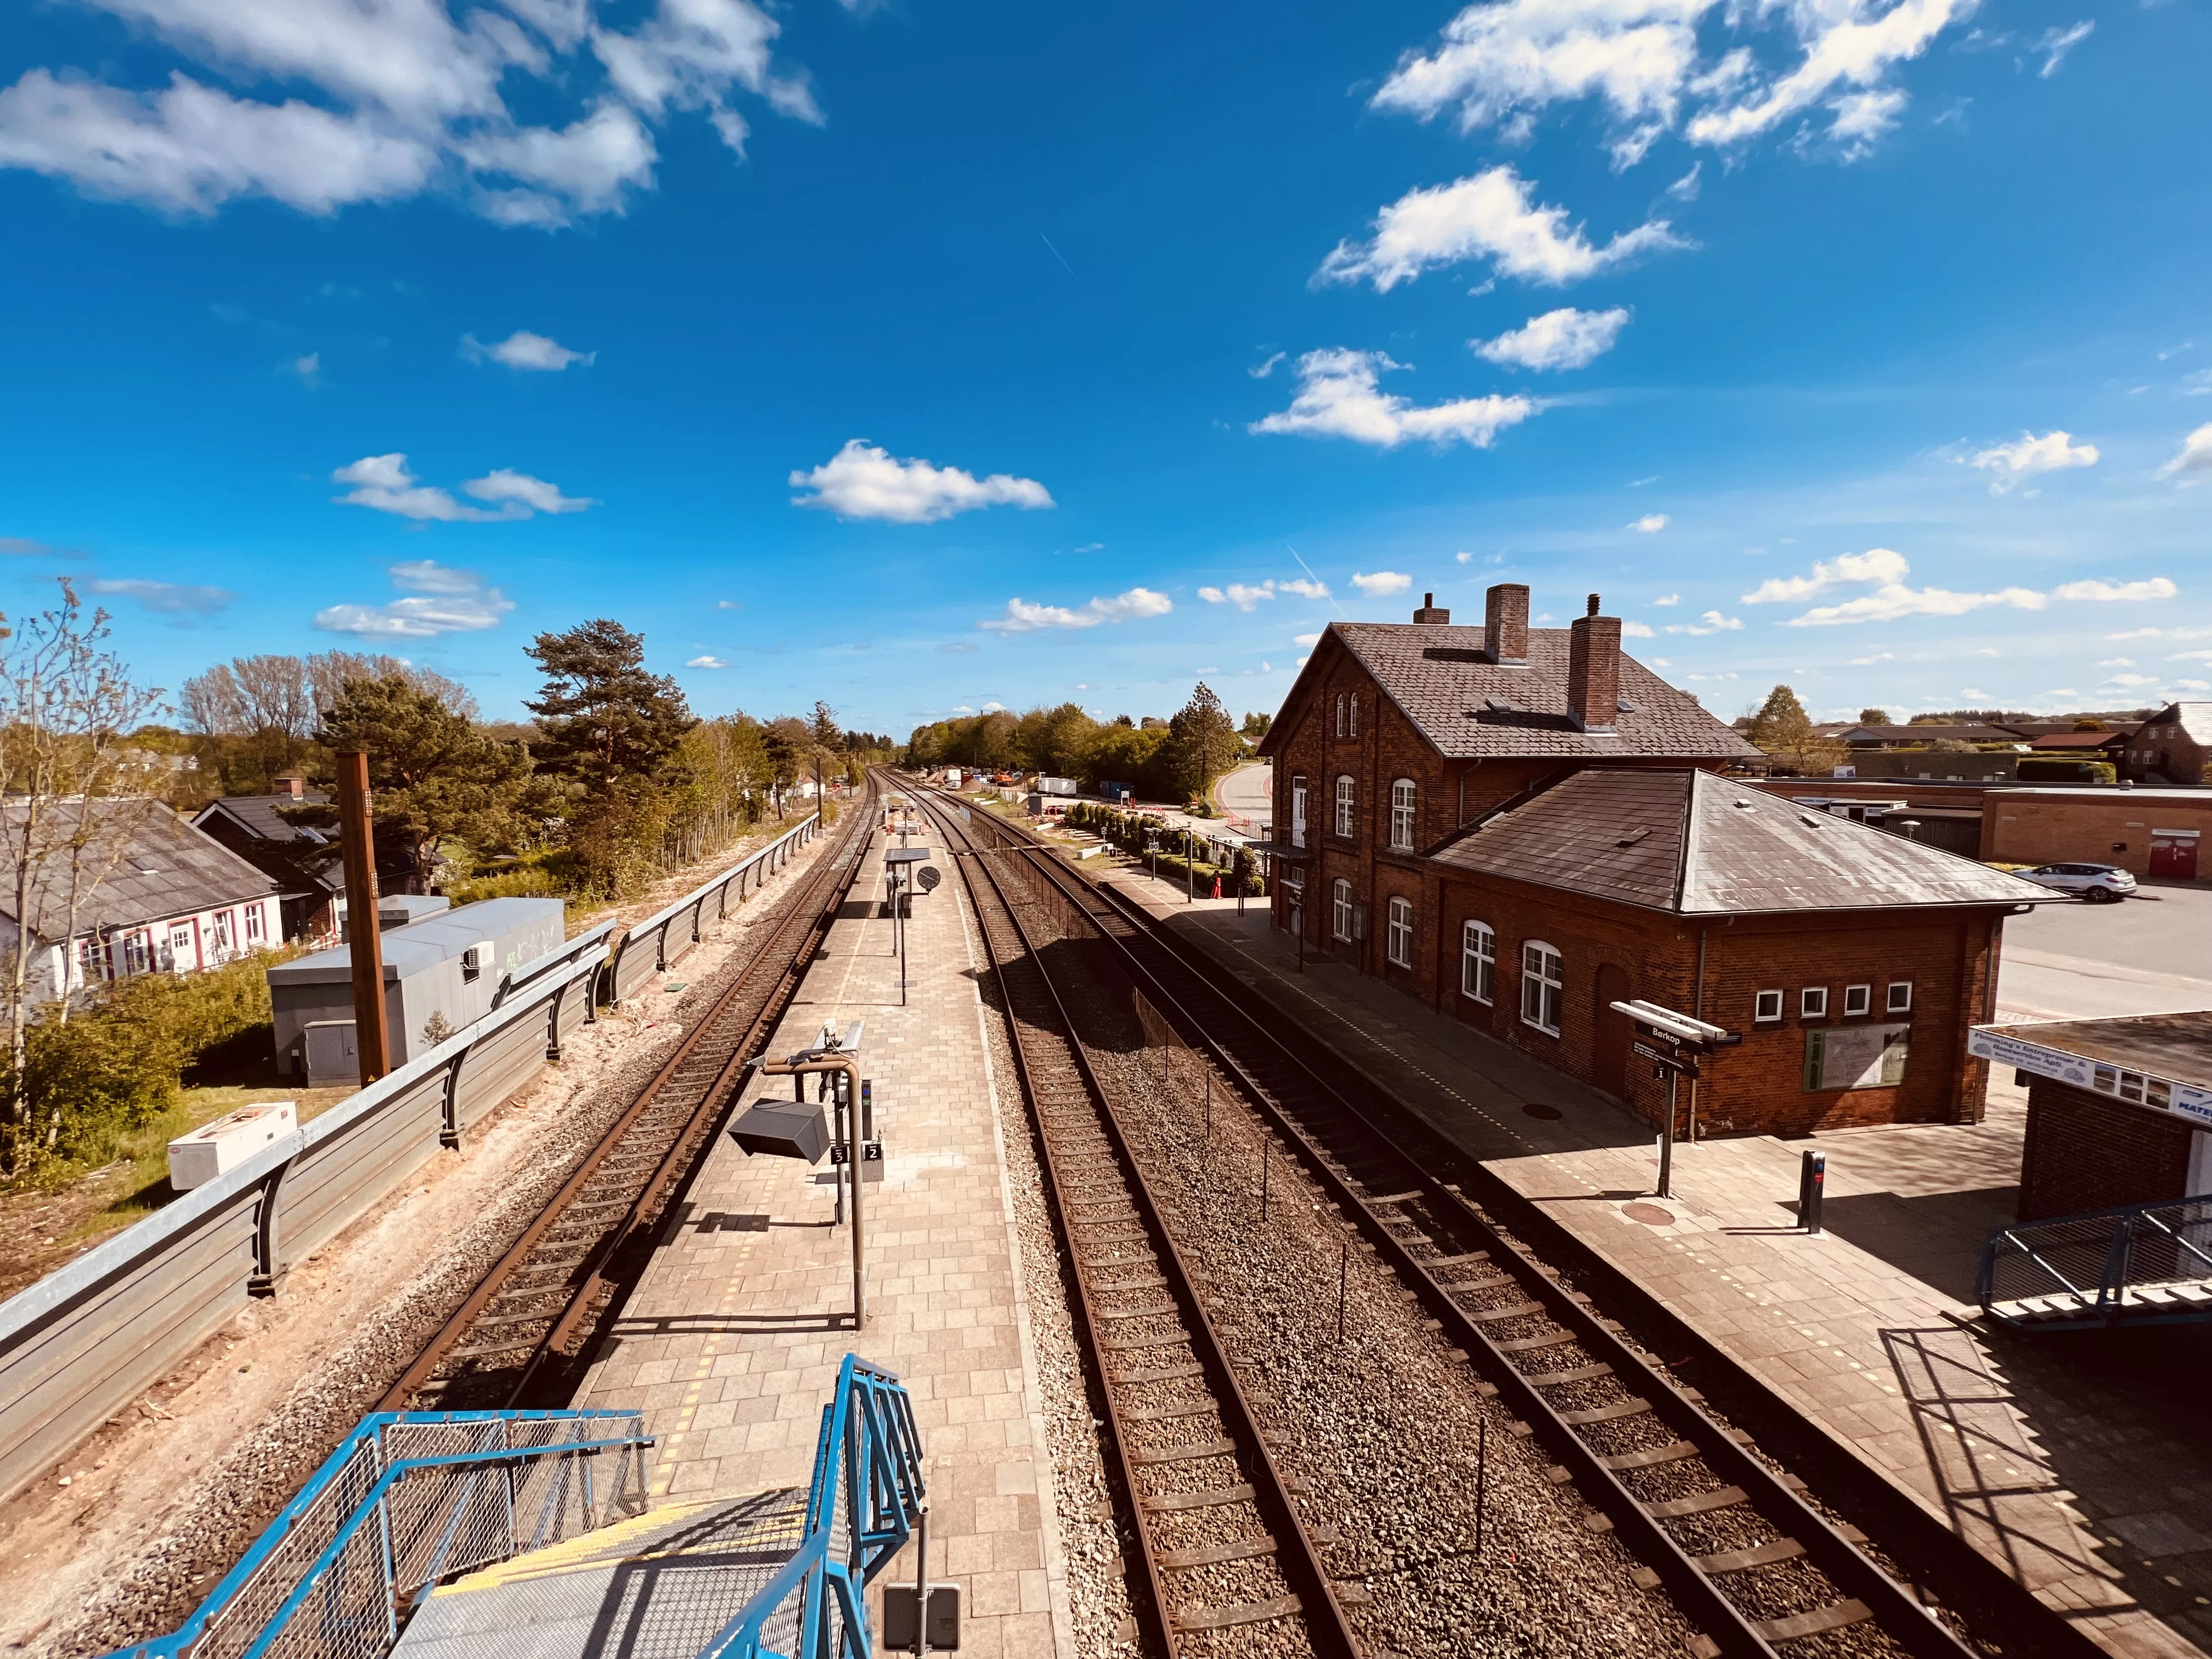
<point>85,1340</point>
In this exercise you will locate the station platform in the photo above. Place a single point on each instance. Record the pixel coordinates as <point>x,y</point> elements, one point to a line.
<point>2076,1462</point>
<point>734,1336</point>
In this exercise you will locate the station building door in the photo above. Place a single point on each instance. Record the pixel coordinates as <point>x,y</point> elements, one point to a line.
<point>1615,1033</point>
<point>2173,854</point>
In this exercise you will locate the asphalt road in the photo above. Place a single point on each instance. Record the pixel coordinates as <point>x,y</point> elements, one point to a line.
<point>2151,955</point>
<point>1249,790</point>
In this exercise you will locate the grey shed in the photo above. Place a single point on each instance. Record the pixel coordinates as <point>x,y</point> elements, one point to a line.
<point>444,968</point>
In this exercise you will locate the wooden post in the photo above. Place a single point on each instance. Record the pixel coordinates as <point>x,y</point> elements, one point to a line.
<point>371,1030</point>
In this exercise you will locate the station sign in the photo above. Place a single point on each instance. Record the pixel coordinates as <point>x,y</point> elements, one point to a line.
<point>2187,1101</point>
<point>1680,1063</point>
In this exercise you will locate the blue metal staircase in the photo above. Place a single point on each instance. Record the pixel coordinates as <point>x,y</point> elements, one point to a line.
<point>483,1533</point>
<point>2141,1264</point>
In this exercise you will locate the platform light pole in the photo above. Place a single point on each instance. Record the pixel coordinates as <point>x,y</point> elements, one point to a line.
<point>845,1063</point>
<point>372,1031</point>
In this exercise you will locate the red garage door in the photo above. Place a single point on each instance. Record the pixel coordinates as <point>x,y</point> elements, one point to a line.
<point>2173,852</point>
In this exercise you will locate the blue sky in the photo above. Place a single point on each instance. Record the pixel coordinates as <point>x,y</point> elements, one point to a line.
<point>924,357</point>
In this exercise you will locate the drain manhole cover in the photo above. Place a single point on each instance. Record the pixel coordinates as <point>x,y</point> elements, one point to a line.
<point>1650,1214</point>
<point>1548,1113</point>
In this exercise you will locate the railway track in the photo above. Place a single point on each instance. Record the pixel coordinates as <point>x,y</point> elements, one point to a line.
<point>1226,1563</point>
<point>1739,1548</point>
<point>521,1336</point>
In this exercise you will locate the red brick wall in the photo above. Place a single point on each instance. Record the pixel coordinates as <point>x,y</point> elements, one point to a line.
<point>2084,1152</point>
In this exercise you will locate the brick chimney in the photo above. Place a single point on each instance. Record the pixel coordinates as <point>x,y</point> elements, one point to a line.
<point>1430,612</point>
<point>1593,670</point>
<point>1505,624</point>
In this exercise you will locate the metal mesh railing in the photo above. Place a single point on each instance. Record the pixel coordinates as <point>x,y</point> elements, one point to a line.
<point>2104,1260</point>
<point>867,1490</point>
<point>410,1500</point>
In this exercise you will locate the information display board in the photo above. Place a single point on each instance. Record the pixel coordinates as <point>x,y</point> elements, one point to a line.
<point>1857,1057</point>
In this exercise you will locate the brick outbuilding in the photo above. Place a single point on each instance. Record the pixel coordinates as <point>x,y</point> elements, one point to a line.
<point>1523,827</point>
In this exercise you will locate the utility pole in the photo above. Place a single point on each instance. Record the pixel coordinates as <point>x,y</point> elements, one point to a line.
<point>371,1028</point>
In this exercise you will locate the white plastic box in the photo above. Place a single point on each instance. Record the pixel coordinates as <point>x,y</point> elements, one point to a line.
<point>199,1157</point>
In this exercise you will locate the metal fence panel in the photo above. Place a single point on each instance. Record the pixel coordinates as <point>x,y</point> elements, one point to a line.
<point>661,940</point>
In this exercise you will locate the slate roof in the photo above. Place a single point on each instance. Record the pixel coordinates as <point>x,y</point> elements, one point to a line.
<point>2081,740</point>
<point>167,869</point>
<point>1438,675</point>
<point>258,813</point>
<point>1973,732</point>
<point>1697,844</point>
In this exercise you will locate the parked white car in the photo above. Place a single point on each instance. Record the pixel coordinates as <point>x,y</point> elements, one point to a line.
<point>2099,884</point>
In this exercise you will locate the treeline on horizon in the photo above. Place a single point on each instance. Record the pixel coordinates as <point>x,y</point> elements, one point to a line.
<point>1173,759</point>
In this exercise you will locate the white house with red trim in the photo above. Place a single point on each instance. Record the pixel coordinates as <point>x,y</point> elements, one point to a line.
<point>159,896</point>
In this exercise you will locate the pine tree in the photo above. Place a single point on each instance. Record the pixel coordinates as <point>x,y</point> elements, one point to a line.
<point>1203,739</point>
<point>606,721</point>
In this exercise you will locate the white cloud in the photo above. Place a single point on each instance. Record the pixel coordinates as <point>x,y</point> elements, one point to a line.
<point>397,98</point>
<point>2195,685</point>
<point>523,349</point>
<point>1244,598</point>
<point>309,368</point>
<point>1844,47</point>
<point>706,662</point>
<point>2055,43</point>
<point>441,600</point>
<point>1022,618</point>
<point>2128,682</point>
<point>2118,662</point>
<point>1338,397</point>
<point>1986,651</point>
<point>1268,368</point>
<point>165,598</point>
<point>1378,583</point>
<point>2053,452</point>
<point>1502,63</point>
<point>1636,630</point>
<point>2196,384</point>
<point>1713,623</point>
<point>1877,565</point>
<point>1307,641</point>
<point>861,481</point>
<point>1667,599</point>
<point>1565,339</point>
<point>1650,524</point>
<point>2158,587</point>
<point>1879,656</point>
<point>1490,216</point>
<point>2195,454</point>
<point>384,482</point>
<point>1891,599</point>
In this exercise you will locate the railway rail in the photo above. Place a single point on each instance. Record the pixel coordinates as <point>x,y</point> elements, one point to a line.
<point>1740,1548</point>
<point>1225,1556</point>
<point>520,1336</point>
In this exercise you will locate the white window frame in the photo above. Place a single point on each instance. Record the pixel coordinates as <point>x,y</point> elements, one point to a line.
<point>1399,938</point>
<point>89,961</point>
<point>138,951</point>
<point>1543,985</point>
<point>1355,715</point>
<point>1858,1001</point>
<point>184,931</point>
<point>1404,794</point>
<point>1339,713</point>
<point>1812,1002</point>
<point>1478,962</point>
<point>1342,918</point>
<point>256,926</point>
<point>1896,1004</point>
<point>1297,811</point>
<point>1347,804</point>
<point>1766,1008</point>
<point>226,934</point>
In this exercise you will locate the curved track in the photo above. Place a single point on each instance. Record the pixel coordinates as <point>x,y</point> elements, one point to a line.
<point>519,1336</point>
<point>1739,1549</point>
<point>1226,1565</point>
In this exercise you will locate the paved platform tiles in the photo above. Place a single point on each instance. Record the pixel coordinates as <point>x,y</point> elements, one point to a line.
<point>2076,1462</point>
<point>733,1341</point>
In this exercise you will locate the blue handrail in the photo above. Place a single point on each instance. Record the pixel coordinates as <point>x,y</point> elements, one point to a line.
<point>2097,1258</point>
<point>866,1493</point>
<point>367,1451</point>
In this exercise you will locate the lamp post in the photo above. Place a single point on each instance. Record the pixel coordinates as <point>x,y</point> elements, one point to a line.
<point>845,1063</point>
<point>365,944</point>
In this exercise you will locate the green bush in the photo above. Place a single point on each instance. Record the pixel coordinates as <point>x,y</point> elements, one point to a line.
<point>117,1062</point>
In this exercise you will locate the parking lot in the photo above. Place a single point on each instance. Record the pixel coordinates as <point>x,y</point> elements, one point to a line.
<point>2151,955</point>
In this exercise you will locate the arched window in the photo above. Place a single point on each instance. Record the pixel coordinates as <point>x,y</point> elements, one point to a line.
<point>1346,799</point>
<point>1355,714</point>
<point>1339,713</point>
<point>1297,811</point>
<point>1401,815</point>
<point>1400,940</point>
<point>1342,918</point>
<point>1543,986</point>
<point>1478,962</point>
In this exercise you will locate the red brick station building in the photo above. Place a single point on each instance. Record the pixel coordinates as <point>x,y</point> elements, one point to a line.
<point>1522,826</point>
